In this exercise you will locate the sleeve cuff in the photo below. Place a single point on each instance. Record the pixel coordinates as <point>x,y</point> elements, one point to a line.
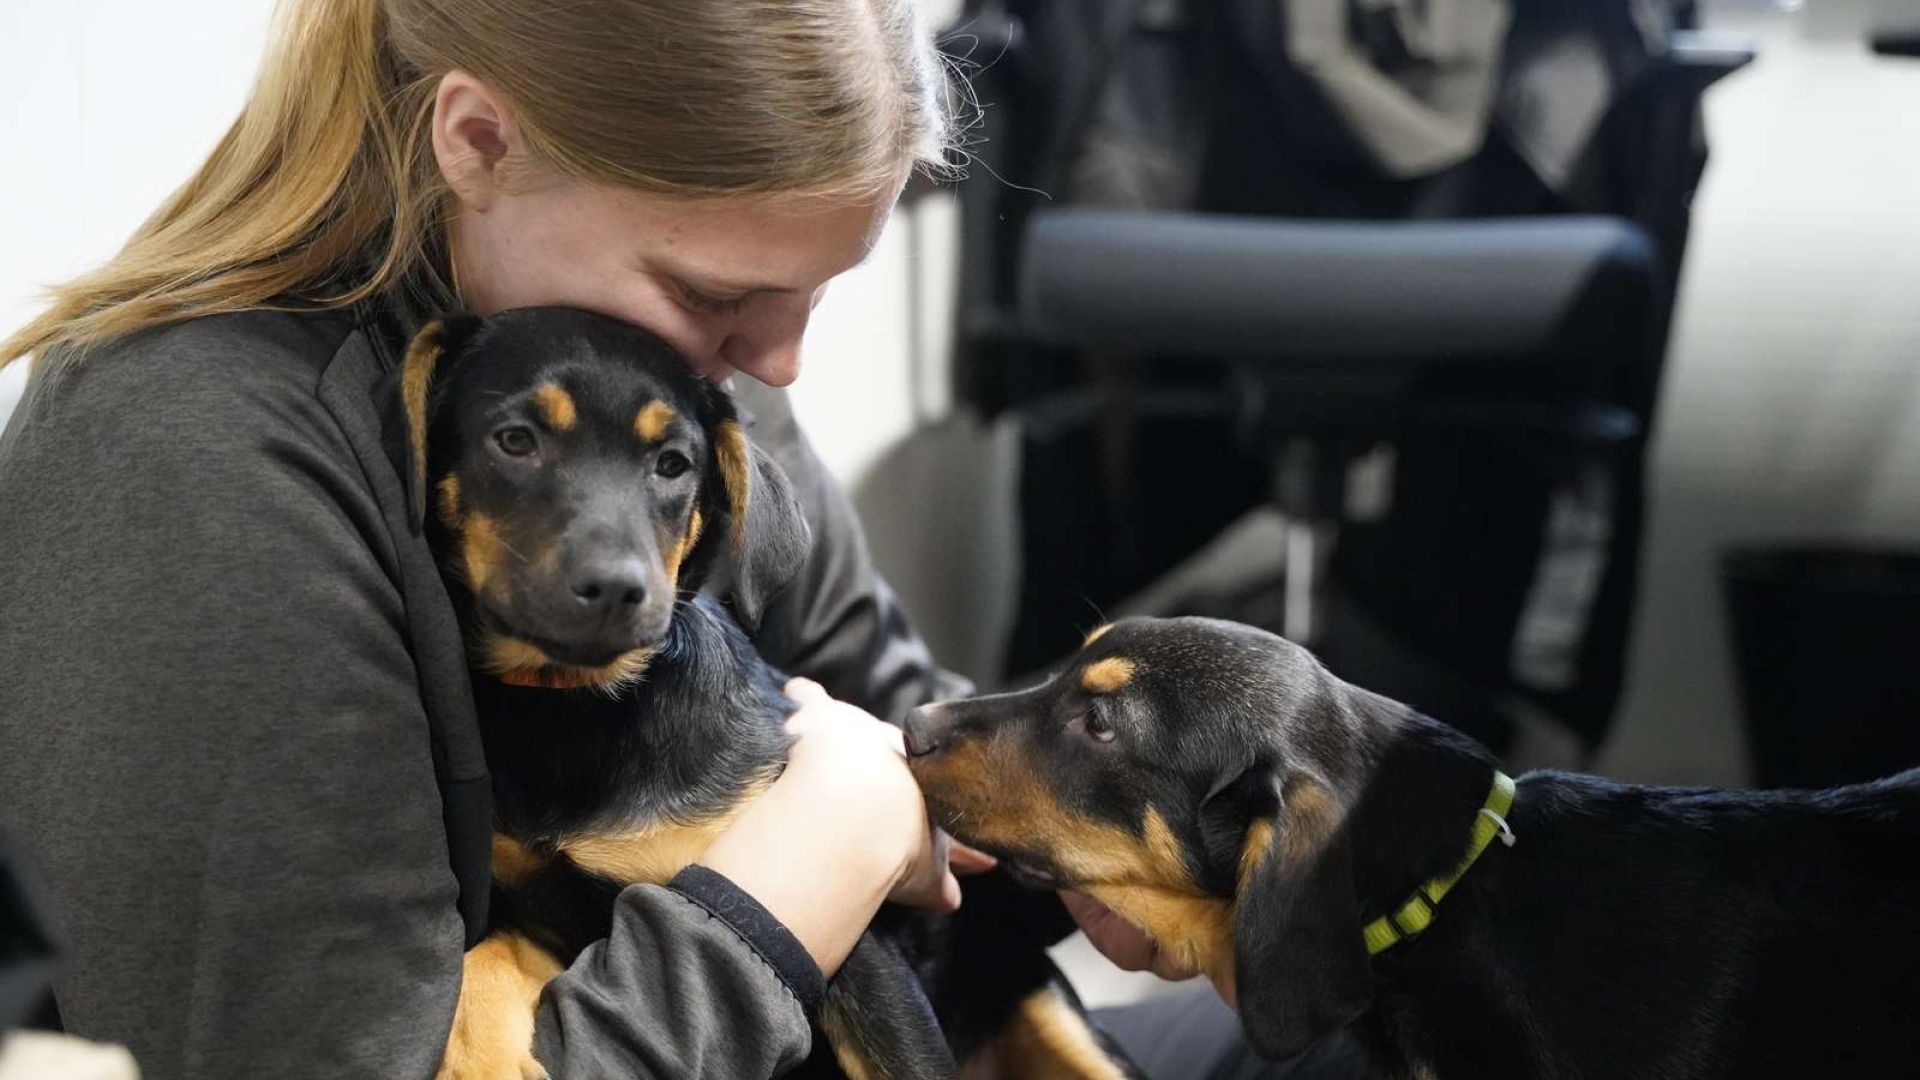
<point>766,935</point>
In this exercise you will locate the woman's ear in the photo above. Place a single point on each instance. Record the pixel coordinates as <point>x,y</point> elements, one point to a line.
<point>474,134</point>
<point>428,356</point>
<point>1300,962</point>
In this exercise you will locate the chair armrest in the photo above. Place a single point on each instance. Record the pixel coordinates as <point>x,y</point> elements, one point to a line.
<point>1259,288</point>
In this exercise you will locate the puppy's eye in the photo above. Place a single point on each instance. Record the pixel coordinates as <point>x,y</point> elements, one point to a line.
<point>670,463</point>
<point>1098,727</point>
<point>516,441</point>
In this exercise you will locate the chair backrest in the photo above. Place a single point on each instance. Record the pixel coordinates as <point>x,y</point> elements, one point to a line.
<point>1203,124</point>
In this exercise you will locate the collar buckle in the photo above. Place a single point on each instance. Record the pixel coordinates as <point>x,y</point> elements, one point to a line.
<point>1506,831</point>
<point>1419,911</point>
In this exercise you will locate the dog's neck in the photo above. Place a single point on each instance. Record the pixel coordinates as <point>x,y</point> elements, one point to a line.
<point>1418,800</point>
<point>1413,822</point>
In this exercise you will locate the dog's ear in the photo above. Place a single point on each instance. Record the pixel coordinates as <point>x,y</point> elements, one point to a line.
<point>764,528</point>
<point>1231,818</point>
<point>1300,962</point>
<point>428,356</point>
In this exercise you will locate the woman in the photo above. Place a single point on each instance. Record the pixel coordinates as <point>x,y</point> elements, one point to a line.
<point>235,730</point>
<point>236,735</point>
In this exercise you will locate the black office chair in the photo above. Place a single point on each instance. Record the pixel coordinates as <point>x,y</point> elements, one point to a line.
<point>1327,329</point>
<point>1313,341</point>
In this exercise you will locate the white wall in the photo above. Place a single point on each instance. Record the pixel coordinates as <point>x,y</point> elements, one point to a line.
<point>1792,404</point>
<point>872,376</point>
<point>105,107</point>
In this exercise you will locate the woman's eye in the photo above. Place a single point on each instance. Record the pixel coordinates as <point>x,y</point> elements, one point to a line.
<point>1098,729</point>
<point>713,305</point>
<point>671,463</point>
<point>515,441</point>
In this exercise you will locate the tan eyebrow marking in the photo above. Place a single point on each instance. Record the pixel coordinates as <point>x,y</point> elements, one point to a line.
<point>652,422</point>
<point>1106,676</point>
<point>556,406</point>
<point>450,500</point>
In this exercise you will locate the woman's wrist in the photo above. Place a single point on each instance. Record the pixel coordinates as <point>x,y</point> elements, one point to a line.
<point>808,866</point>
<point>843,829</point>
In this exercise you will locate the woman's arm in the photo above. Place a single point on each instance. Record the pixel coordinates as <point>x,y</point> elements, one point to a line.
<point>796,877</point>
<point>691,982</point>
<point>213,743</point>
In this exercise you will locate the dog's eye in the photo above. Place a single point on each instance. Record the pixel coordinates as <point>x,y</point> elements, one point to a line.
<point>516,441</point>
<point>1098,727</point>
<point>671,463</point>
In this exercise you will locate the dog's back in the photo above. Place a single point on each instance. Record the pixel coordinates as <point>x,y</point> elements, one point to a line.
<point>1673,932</point>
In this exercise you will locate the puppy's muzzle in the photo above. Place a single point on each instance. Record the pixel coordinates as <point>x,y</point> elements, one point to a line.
<point>926,729</point>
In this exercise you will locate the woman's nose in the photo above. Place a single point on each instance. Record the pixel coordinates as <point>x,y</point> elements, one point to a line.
<point>775,362</point>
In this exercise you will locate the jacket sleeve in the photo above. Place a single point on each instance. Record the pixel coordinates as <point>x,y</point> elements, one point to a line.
<point>214,749</point>
<point>838,623</point>
<point>695,980</point>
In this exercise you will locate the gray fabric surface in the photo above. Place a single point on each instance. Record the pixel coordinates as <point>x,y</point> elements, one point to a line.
<point>669,995</point>
<point>231,682</point>
<point>212,741</point>
<point>1182,1036</point>
<point>1192,1035</point>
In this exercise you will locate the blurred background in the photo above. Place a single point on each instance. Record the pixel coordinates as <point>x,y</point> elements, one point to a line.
<point>1552,366</point>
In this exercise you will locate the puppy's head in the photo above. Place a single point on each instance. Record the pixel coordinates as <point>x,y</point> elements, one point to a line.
<point>580,478</point>
<point>1197,777</point>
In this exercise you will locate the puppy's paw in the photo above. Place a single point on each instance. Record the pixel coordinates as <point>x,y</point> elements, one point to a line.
<point>497,1063</point>
<point>492,1036</point>
<point>1047,1039</point>
<point>494,1054</point>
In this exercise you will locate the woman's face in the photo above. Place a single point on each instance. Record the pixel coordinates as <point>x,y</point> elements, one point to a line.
<point>730,282</point>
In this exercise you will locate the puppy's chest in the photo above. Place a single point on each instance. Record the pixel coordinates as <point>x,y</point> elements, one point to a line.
<point>578,766</point>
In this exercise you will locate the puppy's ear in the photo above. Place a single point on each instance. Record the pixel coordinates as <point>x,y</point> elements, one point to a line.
<point>764,528</point>
<point>428,356</point>
<point>1234,815</point>
<point>1300,963</point>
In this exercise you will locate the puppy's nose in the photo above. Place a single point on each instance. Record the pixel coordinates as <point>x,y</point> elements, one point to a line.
<point>924,729</point>
<point>611,587</point>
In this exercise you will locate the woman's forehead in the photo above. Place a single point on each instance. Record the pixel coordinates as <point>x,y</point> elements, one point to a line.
<point>743,243</point>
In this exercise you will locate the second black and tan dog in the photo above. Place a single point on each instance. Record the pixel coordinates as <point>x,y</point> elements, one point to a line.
<point>578,484</point>
<point>1340,860</point>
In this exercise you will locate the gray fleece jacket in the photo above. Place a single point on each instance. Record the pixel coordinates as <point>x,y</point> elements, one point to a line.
<point>237,737</point>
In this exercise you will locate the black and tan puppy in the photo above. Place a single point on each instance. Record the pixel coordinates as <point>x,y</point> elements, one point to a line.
<point>1343,860</point>
<point>583,485</point>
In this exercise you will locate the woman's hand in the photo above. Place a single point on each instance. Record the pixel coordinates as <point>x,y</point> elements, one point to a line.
<point>1126,945</point>
<point>851,750</point>
<point>844,828</point>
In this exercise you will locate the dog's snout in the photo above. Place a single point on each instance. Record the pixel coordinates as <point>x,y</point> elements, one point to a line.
<point>924,729</point>
<point>610,586</point>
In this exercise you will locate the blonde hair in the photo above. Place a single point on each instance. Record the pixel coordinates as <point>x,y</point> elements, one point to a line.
<point>325,190</point>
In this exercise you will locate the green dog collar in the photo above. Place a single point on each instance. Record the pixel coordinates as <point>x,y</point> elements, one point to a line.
<point>1414,916</point>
